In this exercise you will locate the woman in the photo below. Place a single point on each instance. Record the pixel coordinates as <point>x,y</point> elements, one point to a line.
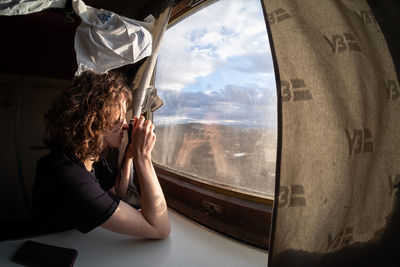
<point>74,188</point>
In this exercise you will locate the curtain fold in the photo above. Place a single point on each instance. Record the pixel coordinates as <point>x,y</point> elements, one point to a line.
<point>336,199</point>
<point>141,85</point>
<point>142,79</point>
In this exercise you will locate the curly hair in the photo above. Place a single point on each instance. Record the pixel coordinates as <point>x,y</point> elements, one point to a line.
<point>77,120</point>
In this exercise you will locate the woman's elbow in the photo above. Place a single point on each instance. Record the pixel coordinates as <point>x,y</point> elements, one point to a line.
<point>167,232</point>
<point>163,232</point>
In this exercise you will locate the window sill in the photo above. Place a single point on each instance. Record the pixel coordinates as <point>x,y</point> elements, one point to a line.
<point>188,245</point>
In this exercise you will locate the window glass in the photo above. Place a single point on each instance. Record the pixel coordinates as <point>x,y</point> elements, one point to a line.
<point>215,75</point>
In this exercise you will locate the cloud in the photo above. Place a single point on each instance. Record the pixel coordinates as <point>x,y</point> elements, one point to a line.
<point>252,63</point>
<point>229,34</point>
<point>233,105</point>
<point>221,58</point>
<point>172,119</point>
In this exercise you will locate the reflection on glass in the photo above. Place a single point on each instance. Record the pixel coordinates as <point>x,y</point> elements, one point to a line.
<point>210,136</point>
<point>218,122</point>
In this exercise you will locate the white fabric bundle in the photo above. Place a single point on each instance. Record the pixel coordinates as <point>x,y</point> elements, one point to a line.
<point>105,40</point>
<point>23,7</point>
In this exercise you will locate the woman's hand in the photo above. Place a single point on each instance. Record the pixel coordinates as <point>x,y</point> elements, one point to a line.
<point>189,144</point>
<point>143,139</point>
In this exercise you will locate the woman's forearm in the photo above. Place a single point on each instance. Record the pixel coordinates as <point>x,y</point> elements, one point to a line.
<point>153,204</point>
<point>122,181</point>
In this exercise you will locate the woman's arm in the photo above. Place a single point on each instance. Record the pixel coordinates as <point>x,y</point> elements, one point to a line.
<point>152,220</point>
<point>122,180</point>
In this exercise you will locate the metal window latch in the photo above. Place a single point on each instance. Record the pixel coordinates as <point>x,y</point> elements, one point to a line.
<point>212,207</point>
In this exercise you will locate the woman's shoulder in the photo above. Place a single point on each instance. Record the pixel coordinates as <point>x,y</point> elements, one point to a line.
<point>57,158</point>
<point>57,166</point>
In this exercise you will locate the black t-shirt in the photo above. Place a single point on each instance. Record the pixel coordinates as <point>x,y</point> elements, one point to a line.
<point>66,195</point>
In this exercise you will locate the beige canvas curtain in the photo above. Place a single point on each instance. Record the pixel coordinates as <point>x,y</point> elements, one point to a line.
<point>340,135</point>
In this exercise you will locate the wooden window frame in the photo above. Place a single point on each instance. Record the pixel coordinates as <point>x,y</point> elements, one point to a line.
<point>240,216</point>
<point>243,217</point>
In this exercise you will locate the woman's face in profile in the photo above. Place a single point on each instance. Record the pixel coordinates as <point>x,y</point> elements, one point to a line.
<point>114,137</point>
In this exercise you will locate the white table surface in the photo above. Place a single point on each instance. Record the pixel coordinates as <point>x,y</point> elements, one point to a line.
<point>189,244</point>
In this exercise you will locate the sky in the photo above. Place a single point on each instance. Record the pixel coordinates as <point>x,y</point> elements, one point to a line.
<point>218,61</point>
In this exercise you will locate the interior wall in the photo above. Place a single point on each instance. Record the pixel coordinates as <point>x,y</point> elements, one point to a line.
<point>24,100</point>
